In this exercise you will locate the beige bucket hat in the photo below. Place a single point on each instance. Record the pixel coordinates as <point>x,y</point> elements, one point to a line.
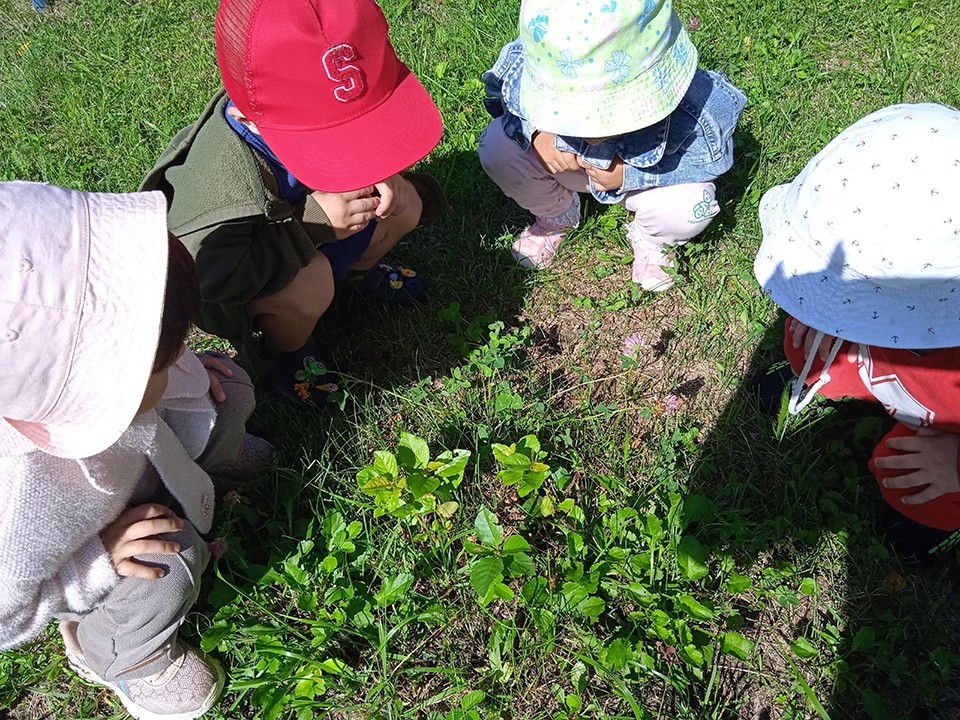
<point>82,279</point>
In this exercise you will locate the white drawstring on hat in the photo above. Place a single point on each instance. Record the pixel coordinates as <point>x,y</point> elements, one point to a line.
<point>798,403</point>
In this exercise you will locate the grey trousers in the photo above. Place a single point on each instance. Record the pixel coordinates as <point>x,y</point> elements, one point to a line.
<point>128,634</point>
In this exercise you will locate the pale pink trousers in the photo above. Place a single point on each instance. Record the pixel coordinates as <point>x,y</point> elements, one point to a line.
<point>668,215</point>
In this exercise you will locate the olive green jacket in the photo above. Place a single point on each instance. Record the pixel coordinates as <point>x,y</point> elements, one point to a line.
<point>247,241</point>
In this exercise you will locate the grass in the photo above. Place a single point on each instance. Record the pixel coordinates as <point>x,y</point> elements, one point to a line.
<point>669,552</point>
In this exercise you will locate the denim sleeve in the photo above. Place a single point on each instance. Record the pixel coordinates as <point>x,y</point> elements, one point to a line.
<point>633,179</point>
<point>700,145</point>
<point>695,145</point>
<point>493,93</point>
<point>607,197</point>
<point>640,151</point>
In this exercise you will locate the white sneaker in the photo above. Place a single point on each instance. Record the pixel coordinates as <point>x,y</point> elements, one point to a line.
<point>186,689</point>
<point>253,459</point>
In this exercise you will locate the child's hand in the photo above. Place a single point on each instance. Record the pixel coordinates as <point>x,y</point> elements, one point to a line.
<point>397,196</point>
<point>805,335</point>
<point>607,180</point>
<point>933,455</point>
<point>348,212</point>
<point>132,534</point>
<point>554,161</point>
<point>211,363</point>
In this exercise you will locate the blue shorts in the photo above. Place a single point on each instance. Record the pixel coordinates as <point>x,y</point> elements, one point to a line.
<point>344,253</point>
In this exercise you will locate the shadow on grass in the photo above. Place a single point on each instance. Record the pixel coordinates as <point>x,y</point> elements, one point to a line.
<point>733,191</point>
<point>466,259</point>
<point>463,262</point>
<point>795,500</point>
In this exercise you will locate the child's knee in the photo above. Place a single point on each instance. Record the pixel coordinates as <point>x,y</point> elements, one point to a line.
<point>238,386</point>
<point>240,394</point>
<point>392,229</point>
<point>181,579</point>
<point>408,220</point>
<point>942,512</point>
<point>304,299</point>
<point>239,376</point>
<point>675,213</point>
<point>311,293</point>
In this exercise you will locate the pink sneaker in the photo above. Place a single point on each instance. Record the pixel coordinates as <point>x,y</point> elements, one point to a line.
<point>650,264</point>
<point>536,246</point>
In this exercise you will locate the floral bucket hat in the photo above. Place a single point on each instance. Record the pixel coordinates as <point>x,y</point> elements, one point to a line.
<point>599,68</point>
<point>864,244</point>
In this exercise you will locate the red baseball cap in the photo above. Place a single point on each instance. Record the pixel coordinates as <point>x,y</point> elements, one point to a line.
<point>325,89</point>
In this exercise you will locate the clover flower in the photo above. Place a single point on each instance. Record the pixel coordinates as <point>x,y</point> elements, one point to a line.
<point>218,547</point>
<point>633,343</point>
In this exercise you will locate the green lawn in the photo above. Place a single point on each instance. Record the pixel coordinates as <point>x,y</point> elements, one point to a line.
<point>684,557</point>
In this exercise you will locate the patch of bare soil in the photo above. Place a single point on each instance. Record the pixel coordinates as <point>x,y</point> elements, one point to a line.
<point>33,706</point>
<point>775,627</point>
<point>579,348</point>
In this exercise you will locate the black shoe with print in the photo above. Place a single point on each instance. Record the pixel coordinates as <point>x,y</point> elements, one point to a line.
<point>301,378</point>
<point>393,282</point>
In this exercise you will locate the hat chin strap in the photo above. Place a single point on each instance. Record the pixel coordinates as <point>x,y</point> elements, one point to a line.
<point>798,399</point>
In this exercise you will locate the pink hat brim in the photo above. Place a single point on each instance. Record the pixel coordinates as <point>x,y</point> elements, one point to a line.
<point>116,331</point>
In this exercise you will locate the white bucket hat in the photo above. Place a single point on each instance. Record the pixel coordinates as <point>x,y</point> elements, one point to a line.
<point>82,278</point>
<point>865,243</point>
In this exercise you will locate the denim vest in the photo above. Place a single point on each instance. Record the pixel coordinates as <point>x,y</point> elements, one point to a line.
<point>692,144</point>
